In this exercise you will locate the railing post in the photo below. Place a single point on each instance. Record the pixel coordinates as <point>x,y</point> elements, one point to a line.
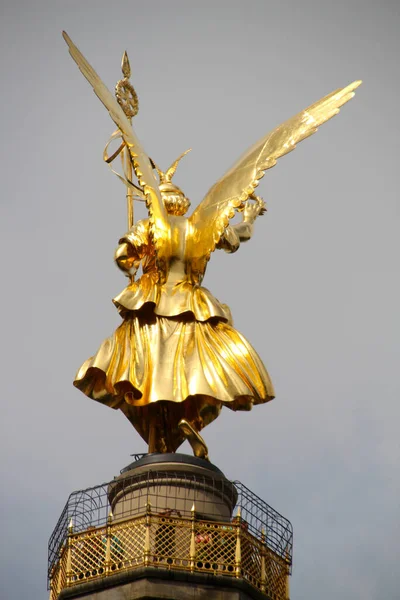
<point>263,581</point>
<point>147,547</point>
<point>58,572</point>
<point>69,543</point>
<point>193,540</point>
<point>238,552</point>
<point>287,578</point>
<point>108,543</point>
<point>55,579</point>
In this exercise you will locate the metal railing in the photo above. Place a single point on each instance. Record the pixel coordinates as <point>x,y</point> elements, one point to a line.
<point>157,529</point>
<point>173,543</point>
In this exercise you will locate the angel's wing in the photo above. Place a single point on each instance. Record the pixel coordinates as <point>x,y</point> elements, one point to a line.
<point>212,216</point>
<point>158,215</point>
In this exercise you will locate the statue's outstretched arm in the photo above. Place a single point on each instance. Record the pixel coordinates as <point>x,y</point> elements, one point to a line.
<point>251,211</point>
<point>159,225</point>
<point>234,235</point>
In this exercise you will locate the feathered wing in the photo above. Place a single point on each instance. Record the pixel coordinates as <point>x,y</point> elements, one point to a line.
<point>159,227</point>
<point>211,217</point>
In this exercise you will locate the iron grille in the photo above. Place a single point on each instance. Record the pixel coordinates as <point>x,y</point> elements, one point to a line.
<point>90,509</point>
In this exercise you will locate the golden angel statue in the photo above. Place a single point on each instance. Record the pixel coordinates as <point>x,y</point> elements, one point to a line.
<point>176,358</point>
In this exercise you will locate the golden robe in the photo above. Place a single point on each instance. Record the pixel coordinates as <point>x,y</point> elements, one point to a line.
<point>176,354</point>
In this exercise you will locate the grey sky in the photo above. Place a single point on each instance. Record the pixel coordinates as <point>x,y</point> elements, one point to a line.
<point>316,291</point>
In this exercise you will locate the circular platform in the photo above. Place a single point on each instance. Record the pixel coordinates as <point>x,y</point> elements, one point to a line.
<point>171,484</point>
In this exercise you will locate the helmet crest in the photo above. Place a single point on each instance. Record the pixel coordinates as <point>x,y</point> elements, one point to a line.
<point>169,173</point>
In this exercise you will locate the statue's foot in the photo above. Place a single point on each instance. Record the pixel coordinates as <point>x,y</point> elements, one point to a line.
<point>199,446</point>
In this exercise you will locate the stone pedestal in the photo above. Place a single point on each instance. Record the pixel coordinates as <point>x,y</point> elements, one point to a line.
<point>156,584</point>
<point>172,484</point>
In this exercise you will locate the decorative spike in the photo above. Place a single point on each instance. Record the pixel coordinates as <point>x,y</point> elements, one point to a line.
<point>71,526</point>
<point>239,512</point>
<point>110,516</point>
<point>193,509</point>
<point>125,66</point>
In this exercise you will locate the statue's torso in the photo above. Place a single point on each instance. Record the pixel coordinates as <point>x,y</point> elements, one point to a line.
<point>178,265</point>
<point>177,289</point>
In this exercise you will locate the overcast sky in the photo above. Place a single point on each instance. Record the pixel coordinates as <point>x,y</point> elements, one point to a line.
<point>316,291</point>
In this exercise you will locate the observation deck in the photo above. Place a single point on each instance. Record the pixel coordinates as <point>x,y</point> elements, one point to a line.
<point>170,517</point>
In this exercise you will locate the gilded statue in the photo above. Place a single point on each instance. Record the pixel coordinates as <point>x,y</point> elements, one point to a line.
<point>176,359</point>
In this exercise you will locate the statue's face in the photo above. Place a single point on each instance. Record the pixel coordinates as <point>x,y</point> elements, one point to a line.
<point>176,204</point>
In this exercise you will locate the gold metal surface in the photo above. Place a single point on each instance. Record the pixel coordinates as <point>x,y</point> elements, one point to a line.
<point>125,92</point>
<point>176,543</point>
<point>128,100</point>
<point>197,443</point>
<point>176,354</point>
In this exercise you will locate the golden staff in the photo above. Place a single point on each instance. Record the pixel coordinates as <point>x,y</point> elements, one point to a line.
<point>128,100</point>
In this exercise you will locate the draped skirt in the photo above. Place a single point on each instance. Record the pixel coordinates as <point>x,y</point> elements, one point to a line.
<point>162,369</point>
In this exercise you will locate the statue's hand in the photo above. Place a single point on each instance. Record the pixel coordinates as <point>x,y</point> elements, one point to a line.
<point>253,209</point>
